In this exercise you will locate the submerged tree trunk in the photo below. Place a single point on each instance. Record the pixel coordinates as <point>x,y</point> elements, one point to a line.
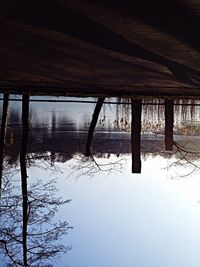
<point>136,107</point>
<point>169,120</point>
<point>23,153</point>
<point>3,134</point>
<point>93,124</point>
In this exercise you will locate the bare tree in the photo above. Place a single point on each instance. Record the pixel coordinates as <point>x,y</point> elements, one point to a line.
<point>42,234</point>
<point>28,234</point>
<point>93,123</point>
<point>25,124</point>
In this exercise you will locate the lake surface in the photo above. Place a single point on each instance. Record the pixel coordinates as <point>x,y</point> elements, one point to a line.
<point>115,217</point>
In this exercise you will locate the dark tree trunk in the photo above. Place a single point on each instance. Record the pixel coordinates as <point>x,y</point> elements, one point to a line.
<point>136,107</point>
<point>169,120</point>
<point>53,136</point>
<point>93,123</point>
<point>23,153</point>
<point>3,134</point>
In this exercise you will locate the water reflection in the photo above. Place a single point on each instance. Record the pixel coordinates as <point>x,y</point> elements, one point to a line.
<point>99,143</point>
<point>137,126</point>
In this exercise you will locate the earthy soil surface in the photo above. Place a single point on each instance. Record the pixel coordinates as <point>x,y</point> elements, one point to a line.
<point>96,48</point>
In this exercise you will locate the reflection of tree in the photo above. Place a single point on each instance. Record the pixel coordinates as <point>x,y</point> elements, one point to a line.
<point>28,233</point>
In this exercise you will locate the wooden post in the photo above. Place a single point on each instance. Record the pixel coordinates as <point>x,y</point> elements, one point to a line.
<point>136,107</point>
<point>169,120</point>
<point>93,123</point>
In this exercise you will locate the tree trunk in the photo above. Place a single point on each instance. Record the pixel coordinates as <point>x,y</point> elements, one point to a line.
<point>93,123</point>
<point>169,120</point>
<point>136,107</point>
<point>3,134</point>
<point>23,152</point>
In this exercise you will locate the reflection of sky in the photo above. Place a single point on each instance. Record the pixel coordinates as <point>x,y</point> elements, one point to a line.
<point>130,220</point>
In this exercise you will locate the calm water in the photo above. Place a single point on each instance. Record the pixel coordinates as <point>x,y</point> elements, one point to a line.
<point>116,217</point>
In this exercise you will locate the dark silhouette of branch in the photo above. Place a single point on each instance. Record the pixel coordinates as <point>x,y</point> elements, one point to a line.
<point>90,166</point>
<point>93,123</point>
<point>185,157</point>
<point>43,232</point>
<point>16,263</point>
